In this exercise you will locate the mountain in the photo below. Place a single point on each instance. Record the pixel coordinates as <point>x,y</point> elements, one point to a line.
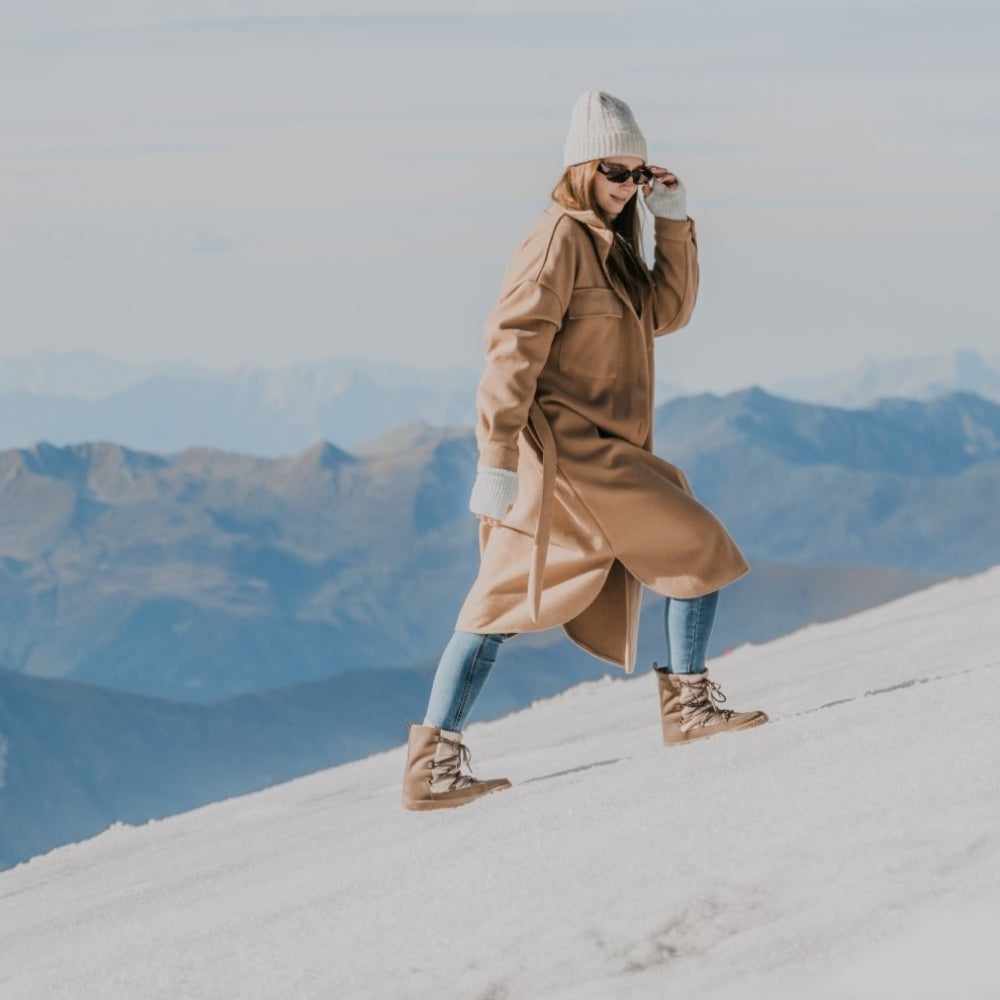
<point>915,378</point>
<point>77,758</point>
<point>909,484</point>
<point>846,849</point>
<point>205,574</point>
<point>213,573</point>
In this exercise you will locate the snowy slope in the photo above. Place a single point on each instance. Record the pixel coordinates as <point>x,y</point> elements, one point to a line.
<point>851,849</point>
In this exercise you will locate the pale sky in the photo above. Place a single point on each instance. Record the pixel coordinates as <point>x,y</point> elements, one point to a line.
<point>267,182</point>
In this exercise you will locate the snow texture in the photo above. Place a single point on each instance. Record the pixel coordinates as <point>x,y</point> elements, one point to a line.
<point>850,849</point>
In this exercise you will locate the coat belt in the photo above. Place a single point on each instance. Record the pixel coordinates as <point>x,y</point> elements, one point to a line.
<point>542,430</point>
<point>546,439</point>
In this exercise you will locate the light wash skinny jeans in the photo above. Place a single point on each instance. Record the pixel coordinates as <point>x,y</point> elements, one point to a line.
<point>469,656</point>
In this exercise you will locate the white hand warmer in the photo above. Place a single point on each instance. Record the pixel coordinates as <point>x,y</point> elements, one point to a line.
<point>494,492</point>
<point>665,203</point>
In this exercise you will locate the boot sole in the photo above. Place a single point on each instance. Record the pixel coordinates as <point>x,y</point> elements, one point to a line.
<point>718,731</point>
<point>425,805</point>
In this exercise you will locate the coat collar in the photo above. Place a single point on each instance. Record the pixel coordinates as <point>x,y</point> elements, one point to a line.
<point>603,235</point>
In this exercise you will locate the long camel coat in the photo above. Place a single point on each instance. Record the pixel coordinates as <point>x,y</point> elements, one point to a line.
<point>566,400</point>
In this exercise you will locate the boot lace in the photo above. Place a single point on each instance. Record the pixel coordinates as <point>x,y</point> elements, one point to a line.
<point>700,704</point>
<point>449,768</point>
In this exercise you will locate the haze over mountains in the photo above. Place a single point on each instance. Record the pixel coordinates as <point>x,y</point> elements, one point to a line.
<point>257,411</point>
<point>914,378</point>
<point>72,398</point>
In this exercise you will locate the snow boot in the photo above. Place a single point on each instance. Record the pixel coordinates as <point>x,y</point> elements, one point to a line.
<point>433,778</point>
<point>689,706</point>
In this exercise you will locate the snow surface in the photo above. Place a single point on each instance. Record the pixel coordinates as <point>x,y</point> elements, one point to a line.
<point>850,849</point>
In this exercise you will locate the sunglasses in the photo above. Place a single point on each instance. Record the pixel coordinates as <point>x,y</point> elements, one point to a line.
<point>619,175</point>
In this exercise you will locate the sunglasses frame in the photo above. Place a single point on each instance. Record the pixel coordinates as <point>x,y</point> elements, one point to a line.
<point>640,175</point>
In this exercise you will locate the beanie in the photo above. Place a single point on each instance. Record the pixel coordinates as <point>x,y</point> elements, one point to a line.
<point>600,126</point>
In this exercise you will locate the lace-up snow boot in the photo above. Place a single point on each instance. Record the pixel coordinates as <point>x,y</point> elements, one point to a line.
<point>433,778</point>
<point>689,706</point>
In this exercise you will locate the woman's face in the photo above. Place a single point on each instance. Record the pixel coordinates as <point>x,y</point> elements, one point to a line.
<point>612,198</point>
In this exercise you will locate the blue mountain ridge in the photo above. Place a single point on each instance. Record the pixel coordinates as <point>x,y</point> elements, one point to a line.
<point>206,574</point>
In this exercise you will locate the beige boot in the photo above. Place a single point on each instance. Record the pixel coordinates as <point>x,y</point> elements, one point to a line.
<point>689,706</point>
<point>433,777</point>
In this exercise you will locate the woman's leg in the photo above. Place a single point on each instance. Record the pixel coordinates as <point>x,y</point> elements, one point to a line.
<point>434,777</point>
<point>688,625</point>
<point>689,699</point>
<point>462,671</point>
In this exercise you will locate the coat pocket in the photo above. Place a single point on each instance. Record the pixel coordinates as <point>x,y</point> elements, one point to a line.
<point>589,340</point>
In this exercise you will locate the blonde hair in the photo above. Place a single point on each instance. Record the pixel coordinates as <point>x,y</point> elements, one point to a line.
<point>575,191</point>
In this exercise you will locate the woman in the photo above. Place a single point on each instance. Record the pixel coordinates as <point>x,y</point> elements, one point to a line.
<point>576,511</point>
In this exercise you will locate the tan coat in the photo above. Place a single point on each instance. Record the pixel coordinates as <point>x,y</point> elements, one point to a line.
<point>567,400</point>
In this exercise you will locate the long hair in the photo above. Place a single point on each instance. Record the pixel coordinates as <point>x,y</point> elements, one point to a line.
<point>575,191</point>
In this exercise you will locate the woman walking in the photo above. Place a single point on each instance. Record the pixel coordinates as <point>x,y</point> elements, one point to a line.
<point>576,511</point>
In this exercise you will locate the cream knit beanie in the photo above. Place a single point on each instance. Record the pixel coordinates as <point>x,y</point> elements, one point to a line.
<point>601,126</point>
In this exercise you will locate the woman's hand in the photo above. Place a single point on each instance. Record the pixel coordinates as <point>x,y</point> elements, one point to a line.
<point>665,197</point>
<point>661,176</point>
<point>493,494</point>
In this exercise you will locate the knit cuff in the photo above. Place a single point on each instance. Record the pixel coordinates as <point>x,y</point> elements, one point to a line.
<point>667,203</point>
<point>494,492</point>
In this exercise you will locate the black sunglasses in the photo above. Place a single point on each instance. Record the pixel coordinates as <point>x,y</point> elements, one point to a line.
<point>619,175</point>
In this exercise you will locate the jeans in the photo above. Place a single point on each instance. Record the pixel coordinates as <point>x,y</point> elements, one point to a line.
<point>688,626</point>
<point>465,664</point>
<point>469,657</point>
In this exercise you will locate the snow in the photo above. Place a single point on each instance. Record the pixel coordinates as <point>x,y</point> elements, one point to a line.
<point>849,849</point>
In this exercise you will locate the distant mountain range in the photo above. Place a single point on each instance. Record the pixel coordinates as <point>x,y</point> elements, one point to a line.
<point>69,398</point>
<point>206,574</point>
<point>908,484</point>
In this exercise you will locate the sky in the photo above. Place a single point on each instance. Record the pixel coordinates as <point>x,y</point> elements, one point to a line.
<point>260,182</point>
<point>850,848</point>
